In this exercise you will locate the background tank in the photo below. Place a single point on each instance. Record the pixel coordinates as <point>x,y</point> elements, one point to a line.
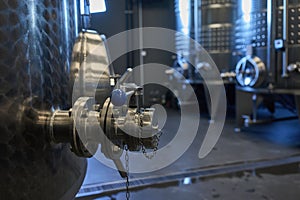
<point>211,23</point>
<point>253,28</point>
<point>36,39</point>
<point>216,28</point>
<point>267,38</point>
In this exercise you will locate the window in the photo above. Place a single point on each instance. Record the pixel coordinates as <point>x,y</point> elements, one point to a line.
<point>96,6</point>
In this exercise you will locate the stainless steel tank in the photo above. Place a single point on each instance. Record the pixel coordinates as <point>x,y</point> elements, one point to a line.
<point>216,28</point>
<point>36,39</point>
<point>267,38</point>
<point>211,23</point>
<point>265,33</point>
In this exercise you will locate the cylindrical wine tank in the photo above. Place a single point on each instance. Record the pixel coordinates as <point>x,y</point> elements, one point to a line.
<point>267,37</point>
<point>216,28</point>
<point>260,32</point>
<point>211,23</point>
<point>36,39</point>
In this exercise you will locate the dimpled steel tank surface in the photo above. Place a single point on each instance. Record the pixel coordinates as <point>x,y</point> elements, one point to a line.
<point>36,39</point>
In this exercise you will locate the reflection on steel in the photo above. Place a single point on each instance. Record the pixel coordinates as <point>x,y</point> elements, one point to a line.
<point>285,37</point>
<point>90,65</point>
<point>35,37</point>
<point>272,21</point>
<point>272,36</point>
<point>294,67</point>
<point>211,23</point>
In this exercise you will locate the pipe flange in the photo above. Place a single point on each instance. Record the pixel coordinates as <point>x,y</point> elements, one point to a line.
<point>81,144</point>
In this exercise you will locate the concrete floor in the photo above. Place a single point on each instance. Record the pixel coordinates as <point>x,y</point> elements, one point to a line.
<point>266,186</point>
<point>269,141</point>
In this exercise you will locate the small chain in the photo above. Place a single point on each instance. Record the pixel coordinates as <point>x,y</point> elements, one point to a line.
<point>127,171</point>
<point>156,143</point>
<point>156,140</point>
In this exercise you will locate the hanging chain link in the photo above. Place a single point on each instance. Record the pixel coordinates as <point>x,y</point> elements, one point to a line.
<point>156,139</point>
<point>155,143</point>
<point>127,172</point>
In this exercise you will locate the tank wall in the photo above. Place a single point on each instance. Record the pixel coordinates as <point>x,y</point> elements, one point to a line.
<point>36,39</point>
<point>216,29</point>
<point>252,30</point>
<point>212,26</point>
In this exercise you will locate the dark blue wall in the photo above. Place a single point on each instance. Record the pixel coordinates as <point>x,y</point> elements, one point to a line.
<point>155,14</point>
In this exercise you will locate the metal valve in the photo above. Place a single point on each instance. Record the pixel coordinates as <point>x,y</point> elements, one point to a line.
<point>114,127</point>
<point>107,110</point>
<point>250,72</point>
<point>294,67</point>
